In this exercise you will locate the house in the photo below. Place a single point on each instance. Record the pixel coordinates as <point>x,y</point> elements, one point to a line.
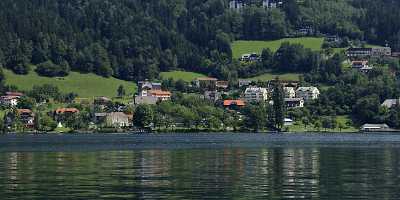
<point>332,38</point>
<point>290,92</point>
<point>250,57</point>
<point>222,85</point>
<point>27,117</point>
<point>145,86</point>
<point>358,64</point>
<point>307,93</point>
<point>375,127</point>
<point>212,95</point>
<point>294,102</point>
<point>271,3</point>
<point>395,54</point>
<point>381,51</point>
<point>61,111</point>
<point>11,99</point>
<point>288,122</point>
<point>160,94</point>
<point>256,94</point>
<point>61,114</point>
<point>206,82</point>
<point>233,104</point>
<point>114,119</point>
<point>355,52</point>
<point>149,100</point>
<point>391,103</point>
<point>236,4</point>
<point>243,82</point>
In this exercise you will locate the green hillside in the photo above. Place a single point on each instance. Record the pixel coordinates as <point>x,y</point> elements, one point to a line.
<point>85,85</point>
<point>176,75</point>
<point>242,47</point>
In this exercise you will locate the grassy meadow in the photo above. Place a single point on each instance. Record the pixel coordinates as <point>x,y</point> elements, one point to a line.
<point>176,75</point>
<point>85,85</point>
<point>273,75</point>
<point>242,47</point>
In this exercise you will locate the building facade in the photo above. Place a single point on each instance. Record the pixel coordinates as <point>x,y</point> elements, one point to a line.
<point>256,94</point>
<point>307,93</point>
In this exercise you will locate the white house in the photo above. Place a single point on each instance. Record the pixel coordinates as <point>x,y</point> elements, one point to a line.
<point>307,93</point>
<point>244,82</point>
<point>290,92</point>
<point>390,103</point>
<point>256,94</point>
<point>236,4</point>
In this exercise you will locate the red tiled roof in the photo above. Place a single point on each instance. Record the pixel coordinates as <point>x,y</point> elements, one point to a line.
<point>160,93</point>
<point>234,102</point>
<point>68,110</point>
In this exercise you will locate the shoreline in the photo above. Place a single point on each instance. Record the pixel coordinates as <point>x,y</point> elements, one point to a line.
<point>198,132</point>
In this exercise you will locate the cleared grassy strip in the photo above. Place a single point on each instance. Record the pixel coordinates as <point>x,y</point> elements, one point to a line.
<point>176,75</point>
<point>242,47</point>
<point>272,76</point>
<point>85,85</point>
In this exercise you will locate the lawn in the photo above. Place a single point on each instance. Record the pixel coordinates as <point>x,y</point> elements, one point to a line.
<point>272,76</point>
<point>85,85</point>
<point>242,47</point>
<point>299,127</point>
<point>176,75</point>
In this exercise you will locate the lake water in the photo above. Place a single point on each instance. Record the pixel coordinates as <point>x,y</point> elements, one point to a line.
<point>200,166</point>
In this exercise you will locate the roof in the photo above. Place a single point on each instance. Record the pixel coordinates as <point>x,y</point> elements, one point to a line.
<point>390,102</point>
<point>68,110</point>
<point>255,89</point>
<point>160,93</point>
<point>307,89</point>
<point>293,99</point>
<point>14,94</point>
<point>100,114</point>
<point>288,120</point>
<point>234,102</point>
<point>118,114</point>
<point>20,111</point>
<point>9,97</point>
<point>206,79</point>
<point>359,49</point>
<point>360,62</point>
<point>375,126</point>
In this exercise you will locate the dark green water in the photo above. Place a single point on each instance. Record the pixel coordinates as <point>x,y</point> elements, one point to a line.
<point>217,167</point>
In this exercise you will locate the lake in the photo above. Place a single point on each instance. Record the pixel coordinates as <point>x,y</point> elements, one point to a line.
<point>200,166</point>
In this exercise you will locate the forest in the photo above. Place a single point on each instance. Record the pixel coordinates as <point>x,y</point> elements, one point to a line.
<point>137,39</point>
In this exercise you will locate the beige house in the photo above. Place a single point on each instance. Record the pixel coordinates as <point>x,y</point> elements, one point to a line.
<point>114,119</point>
<point>256,94</point>
<point>307,93</point>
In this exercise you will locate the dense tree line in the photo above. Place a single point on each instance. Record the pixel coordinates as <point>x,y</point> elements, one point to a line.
<point>136,39</point>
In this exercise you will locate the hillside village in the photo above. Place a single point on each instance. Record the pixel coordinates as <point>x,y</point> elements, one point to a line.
<point>342,77</point>
<point>229,97</point>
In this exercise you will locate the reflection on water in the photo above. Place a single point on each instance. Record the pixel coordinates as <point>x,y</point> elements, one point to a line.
<point>228,173</point>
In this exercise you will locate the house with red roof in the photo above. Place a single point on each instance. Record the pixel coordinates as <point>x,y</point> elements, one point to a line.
<point>233,104</point>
